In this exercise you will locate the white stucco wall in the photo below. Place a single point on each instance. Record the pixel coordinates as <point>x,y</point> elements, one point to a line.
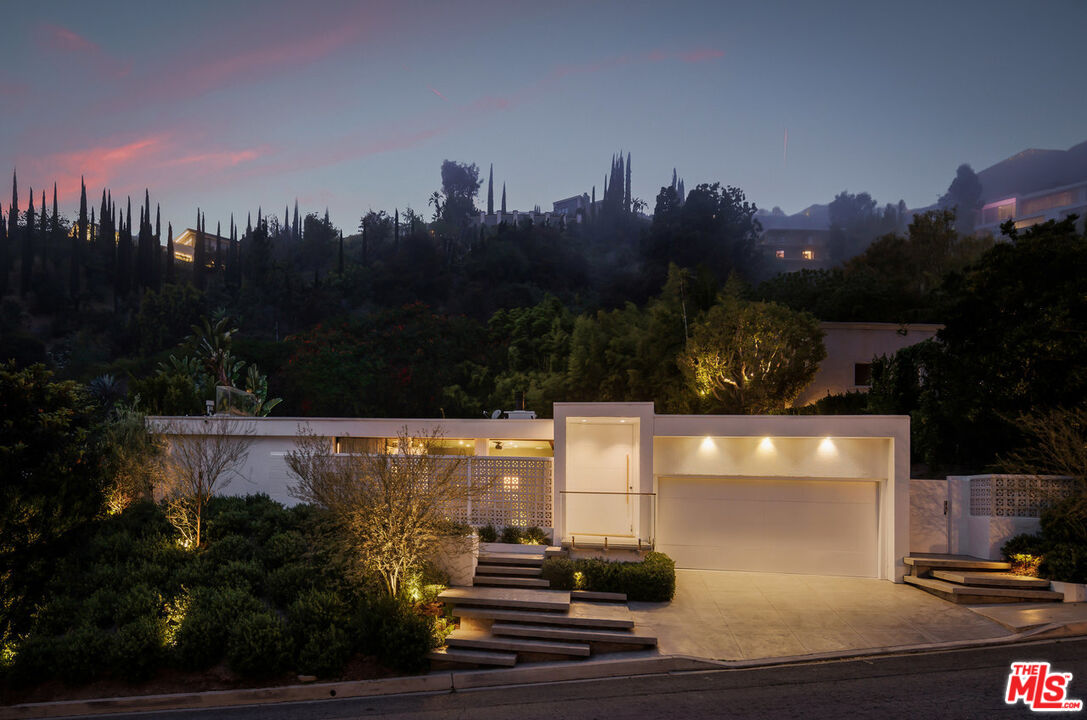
<point>849,343</point>
<point>772,456</point>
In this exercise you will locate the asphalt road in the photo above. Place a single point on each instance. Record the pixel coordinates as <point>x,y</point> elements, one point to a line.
<point>956,684</point>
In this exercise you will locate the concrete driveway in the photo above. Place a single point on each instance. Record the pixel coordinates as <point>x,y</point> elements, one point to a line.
<point>743,616</point>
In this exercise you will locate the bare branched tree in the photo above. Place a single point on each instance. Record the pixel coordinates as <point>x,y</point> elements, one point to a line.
<point>1056,445</point>
<point>392,505</point>
<point>199,461</point>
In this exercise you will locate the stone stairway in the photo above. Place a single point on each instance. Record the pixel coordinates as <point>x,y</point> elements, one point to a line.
<point>974,581</point>
<point>514,569</point>
<point>503,626</point>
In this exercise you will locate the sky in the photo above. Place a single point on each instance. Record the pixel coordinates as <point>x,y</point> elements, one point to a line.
<point>231,105</point>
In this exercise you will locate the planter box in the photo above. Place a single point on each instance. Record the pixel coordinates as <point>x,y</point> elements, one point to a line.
<point>457,557</point>
<point>1073,592</point>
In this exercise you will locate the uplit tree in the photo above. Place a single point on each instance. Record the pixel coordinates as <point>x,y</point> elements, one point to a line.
<point>750,357</point>
<point>391,505</point>
<point>198,462</point>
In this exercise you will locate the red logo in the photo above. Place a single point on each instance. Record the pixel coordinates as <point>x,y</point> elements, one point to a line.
<point>1039,688</point>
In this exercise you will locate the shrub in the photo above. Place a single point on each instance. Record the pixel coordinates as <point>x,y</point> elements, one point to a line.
<point>314,611</point>
<point>229,548</point>
<point>80,654</point>
<point>138,648</point>
<point>37,658</point>
<point>511,534</point>
<point>400,637</point>
<point>1066,522</point>
<point>559,571</point>
<point>324,652</point>
<point>287,583</point>
<point>244,575</point>
<point>138,601</point>
<point>100,607</point>
<point>535,536</point>
<point>58,615</point>
<point>1065,562</point>
<point>487,533</point>
<point>1024,544</point>
<point>282,548</point>
<point>259,645</point>
<point>651,580</point>
<point>207,625</point>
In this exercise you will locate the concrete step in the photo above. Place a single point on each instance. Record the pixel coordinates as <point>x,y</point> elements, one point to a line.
<point>974,595</point>
<point>518,570</point>
<point>986,579</point>
<point>531,560</point>
<point>555,551</point>
<point>468,656</point>
<point>589,635</point>
<point>924,563</point>
<point>507,598</point>
<point>487,641</point>
<point>510,581</point>
<point>581,615</point>
<point>591,596</point>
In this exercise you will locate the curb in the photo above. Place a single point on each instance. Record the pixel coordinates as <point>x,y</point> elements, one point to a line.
<point>474,680</point>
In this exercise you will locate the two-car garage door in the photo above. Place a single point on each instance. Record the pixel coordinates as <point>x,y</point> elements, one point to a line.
<point>817,527</point>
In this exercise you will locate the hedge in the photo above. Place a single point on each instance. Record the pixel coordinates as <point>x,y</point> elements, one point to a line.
<point>651,580</point>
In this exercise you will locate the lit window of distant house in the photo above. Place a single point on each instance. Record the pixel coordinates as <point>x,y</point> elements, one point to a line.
<point>780,254</point>
<point>862,374</point>
<point>808,254</point>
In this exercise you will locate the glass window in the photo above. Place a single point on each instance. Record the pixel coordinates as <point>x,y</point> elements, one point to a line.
<point>808,254</point>
<point>780,254</point>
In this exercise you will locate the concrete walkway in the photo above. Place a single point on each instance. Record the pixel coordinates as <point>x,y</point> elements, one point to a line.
<point>744,616</point>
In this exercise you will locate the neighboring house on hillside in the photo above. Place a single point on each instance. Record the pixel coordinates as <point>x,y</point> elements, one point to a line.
<point>186,241</point>
<point>825,495</point>
<point>577,206</point>
<point>795,242</point>
<point>1032,187</point>
<point>851,347</point>
<point>1034,208</point>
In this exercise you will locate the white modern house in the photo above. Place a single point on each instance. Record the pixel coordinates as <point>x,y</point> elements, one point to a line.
<point>797,494</point>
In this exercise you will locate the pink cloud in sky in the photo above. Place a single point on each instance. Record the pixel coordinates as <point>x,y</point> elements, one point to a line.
<point>437,93</point>
<point>697,56</point>
<point>61,39</point>
<point>162,161</point>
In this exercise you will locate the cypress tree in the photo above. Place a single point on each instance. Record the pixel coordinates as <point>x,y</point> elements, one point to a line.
<point>627,199</point>
<point>503,198</point>
<point>3,245</point>
<point>490,192</point>
<point>673,178</point>
<point>156,250</point>
<point>681,193</point>
<point>54,224</point>
<point>198,254</point>
<point>286,229</point>
<point>27,253</point>
<point>43,234</point>
<point>396,227</point>
<point>296,226</point>
<point>341,252</point>
<point>122,276</point>
<point>218,248</point>
<point>592,205</point>
<point>169,253</point>
<point>6,251</point>
<point>79,239</point>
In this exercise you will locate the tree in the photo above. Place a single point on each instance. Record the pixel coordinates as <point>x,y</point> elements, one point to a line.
<point>460,185</point>
<point>50,483</point>
<point>392,506</point>
<point>963,197</point>
<point>27,260</point>
<point>1013,343</point>
<point>199,252</point>
<point>751,357</point>
<point>490,191</point>
<point>198,462</point>
<point>133,458</point>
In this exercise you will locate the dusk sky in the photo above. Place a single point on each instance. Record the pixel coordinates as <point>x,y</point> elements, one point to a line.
<point>231,105</point>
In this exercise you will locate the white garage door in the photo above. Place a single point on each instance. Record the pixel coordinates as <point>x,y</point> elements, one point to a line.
<point>814,527</point>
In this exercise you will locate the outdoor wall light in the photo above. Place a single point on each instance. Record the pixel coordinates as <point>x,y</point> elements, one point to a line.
<point>766,445</point>
<point>827,447</point>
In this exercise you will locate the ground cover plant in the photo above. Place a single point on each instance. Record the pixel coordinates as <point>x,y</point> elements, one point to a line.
<point>267,596</point>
